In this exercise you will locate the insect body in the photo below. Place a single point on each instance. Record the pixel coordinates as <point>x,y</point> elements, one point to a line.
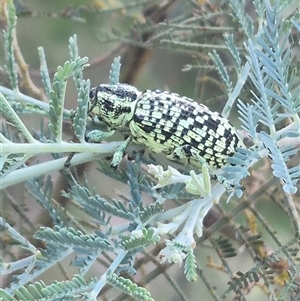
<point>165,123</point>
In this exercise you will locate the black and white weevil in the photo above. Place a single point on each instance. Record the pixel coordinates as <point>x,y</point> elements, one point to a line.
<point>165,123</point>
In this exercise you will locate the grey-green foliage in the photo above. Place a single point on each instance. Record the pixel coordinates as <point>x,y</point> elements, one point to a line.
<point>42,192</point>
<point>275,97</point>
<point>114,73</point>
<point>244,19</point>
<point>57,94</point>
<point>269,59</point>
<point>128,287</point>
<point>83,88</point>
<point>8,38</point>
<point>80,119</point>
<point>280,157</point>
<point>44,72</point>
<point>147,238</point>
<point>263,63</point>
<point>190,266</point>
<point>222,70</point>
<point>56,291</point>
<point>69,237</point>
<point>97,206</point>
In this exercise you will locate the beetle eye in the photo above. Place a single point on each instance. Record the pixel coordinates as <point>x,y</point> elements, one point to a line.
<point>108,104</point>
<point>92,93</point>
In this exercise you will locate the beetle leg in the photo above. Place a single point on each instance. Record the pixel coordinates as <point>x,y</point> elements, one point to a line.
<point>120,153</point>
<point>97,136</point>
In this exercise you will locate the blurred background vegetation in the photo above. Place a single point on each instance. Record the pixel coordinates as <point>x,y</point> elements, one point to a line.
<point>165,45</point>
